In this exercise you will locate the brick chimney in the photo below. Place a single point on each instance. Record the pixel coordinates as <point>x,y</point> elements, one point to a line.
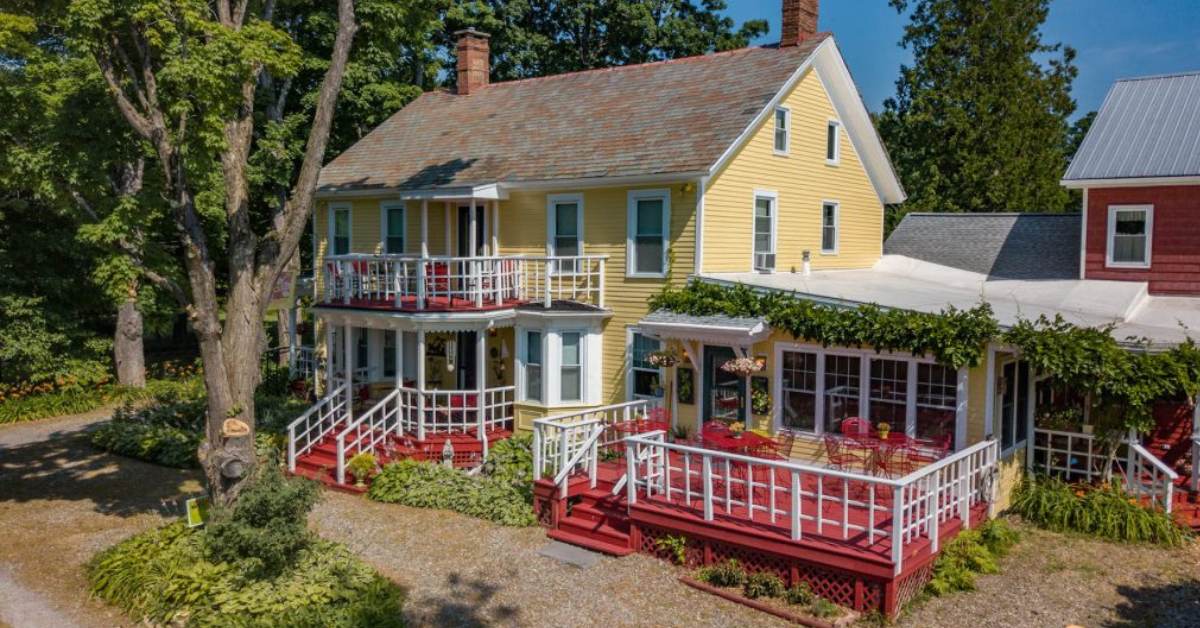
<point>473,65</point>
<point>799,21</point>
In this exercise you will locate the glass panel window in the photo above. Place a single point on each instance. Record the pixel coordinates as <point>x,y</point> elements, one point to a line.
<point>395,230</point>
<point>829,227</point>
<point>937,400</point>
<point>1130,236</point>
<point>799,391</point>
<point>646,377</point>
<point>1014,404</point>
<point>571,377</point>
<point>842,382</point>
<point>389,353</point>
<point>566,229</point>
<point>341,231</point>
<point>781,130</point>
<point>649,238</point>
<point>888,393</point>
<point>831,141</point>
<point>764,233</point>
<point>533,366</point>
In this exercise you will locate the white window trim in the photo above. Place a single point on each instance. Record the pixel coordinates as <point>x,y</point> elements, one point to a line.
<point>552,219</point>
<point>629,368</point>
<point>384,207</point>
<point>1111,232</point>
<point>837,227</point>
<point>590,356</point>
<point>787,131</point>
<point>558,366</point>
<point>333,209</point>
<point>522,335</point>
<point>631,231</point>
<point>864,390</point>
<point>1025,414</point>
<point>836,125</point>
<point>774,196</point>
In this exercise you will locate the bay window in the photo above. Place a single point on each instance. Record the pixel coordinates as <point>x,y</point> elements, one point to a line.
<point>571,367</point>
<point>533,366</point>
<point>649,217</point>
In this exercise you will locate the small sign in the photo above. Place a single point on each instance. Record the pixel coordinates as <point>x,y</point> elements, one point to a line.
<point>197,511</point>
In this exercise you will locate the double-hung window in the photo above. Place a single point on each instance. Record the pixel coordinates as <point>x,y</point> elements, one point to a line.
<point>565,222</point>
<point>646,378</point>
<point>888,392</point>
<point>764,231</point>
<point>1129,234</point>
<point>533,365</point>
<point>833,151</point>
<point>829,227</point>
<point>799,390</point>
<point>843,377</point>
<point>937,401</point>
<point>649,217</point>
<point>783,122</point>
<point>393,228</point>
<point>339,230</point>
<point>571,367</point>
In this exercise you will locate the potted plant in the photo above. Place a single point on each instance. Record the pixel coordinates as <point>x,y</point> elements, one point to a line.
<point>361,466</point>
<point>760,401</point>
<point>736,428</point>
<point>742,367</point>
<point>884,429</point>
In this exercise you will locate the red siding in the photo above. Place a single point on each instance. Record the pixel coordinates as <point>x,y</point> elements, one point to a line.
<point>1175,243</point>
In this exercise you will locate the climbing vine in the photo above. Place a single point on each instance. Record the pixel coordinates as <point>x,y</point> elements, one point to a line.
<point>1128,378</point>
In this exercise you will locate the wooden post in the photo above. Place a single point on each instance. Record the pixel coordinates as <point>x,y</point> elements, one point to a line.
<point>481,383</point>
<point>328,386</point>
<point>348,369</point>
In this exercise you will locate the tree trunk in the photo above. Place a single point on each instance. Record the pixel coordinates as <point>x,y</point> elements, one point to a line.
<point>127,345</point>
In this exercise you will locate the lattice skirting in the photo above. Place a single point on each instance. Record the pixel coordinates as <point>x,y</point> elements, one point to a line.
<point>910,587</point>
<point>842,587</point>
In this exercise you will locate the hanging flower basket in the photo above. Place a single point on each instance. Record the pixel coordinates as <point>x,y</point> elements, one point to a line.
<point>742,367</point>
<point>662,359</point>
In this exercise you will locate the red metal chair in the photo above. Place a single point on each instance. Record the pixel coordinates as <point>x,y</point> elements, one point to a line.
<point>852,426</point>
<point>840,457</point>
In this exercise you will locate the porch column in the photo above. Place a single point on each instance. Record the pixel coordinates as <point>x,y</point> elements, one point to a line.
<point>399,358</point>
<point>425,228</point>
<point>327,386</point>
<point>473,248</point>
<point>495,227</point>
<point>348,367</point>
<point>449,253</point>
<point>420,384</point>
<point>481,383</point>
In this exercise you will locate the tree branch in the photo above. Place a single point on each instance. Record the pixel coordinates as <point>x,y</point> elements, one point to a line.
<point>140,123</point>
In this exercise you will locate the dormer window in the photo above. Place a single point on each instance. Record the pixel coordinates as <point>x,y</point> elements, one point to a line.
<point>833,153</point>
<point>1129,233</point>
<point>783,121</point>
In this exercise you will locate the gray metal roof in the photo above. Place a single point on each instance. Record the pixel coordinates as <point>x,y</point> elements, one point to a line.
<point>1001,246</point>
<point>1147,127</point>
<point>665,317</point>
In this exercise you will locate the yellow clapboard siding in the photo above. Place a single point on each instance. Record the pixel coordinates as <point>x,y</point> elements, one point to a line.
<point>802,180</point>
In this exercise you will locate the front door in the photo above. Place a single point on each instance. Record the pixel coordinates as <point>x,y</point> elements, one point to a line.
<point>724,393</point>
<point>464,231</point>
<point>464,361</point>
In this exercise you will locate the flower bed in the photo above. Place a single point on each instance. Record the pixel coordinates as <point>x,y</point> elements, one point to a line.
<point>767,593</point>
<point>1104,511</point>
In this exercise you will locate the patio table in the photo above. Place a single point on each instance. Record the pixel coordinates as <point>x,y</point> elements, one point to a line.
<point>879,450</point>
<point>746,443</point>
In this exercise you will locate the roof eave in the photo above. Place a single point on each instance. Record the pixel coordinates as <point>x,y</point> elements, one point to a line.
<point>1122,182</point>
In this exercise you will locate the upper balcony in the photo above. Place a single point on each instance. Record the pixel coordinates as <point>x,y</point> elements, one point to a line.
<point>450,284</point>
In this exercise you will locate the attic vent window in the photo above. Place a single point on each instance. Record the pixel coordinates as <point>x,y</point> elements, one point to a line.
<point>782,127</point>
<point>832,142</point>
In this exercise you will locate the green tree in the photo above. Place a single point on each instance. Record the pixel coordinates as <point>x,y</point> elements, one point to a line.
<point>541,37</point>
<point>980,120</point>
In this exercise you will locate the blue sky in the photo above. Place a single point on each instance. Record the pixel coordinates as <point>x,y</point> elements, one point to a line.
<point>1114,39</point>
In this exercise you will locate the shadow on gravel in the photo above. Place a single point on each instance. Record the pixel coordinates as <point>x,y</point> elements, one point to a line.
<point>65,466</point>
<point>1164,605</point>
<point>469,605</point>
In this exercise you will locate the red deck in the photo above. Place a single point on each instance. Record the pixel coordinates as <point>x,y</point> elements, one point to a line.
<point>432,304</point>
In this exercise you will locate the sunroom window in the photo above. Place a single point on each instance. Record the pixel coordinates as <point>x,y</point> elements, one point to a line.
<point>799,389</point>
<point>646,377</point>
<point>842,381</point>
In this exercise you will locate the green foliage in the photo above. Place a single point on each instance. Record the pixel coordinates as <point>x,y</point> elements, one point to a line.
<point>267,528</point>
<point>425,485</point>
<point>971,552</point>
<point>511,460</point>
<point>980,120</point>
<point>276,379</point>
<point>955,337</point>
<point>675,545</point>
<point>799,595</point>
<point>1107,512</point>
<point>361,465</point>
<point>824,608</point>
<point>164,576</point>
<point>762,584</point>
<point>724,574</point>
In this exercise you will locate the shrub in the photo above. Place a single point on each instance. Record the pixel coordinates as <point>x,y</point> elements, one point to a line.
<point>425,485</point>
<point>971,552</point>
<point>511,460</point>
<point>1107,512</point>
<point>724,574</point>
<point>676,546</point>
<point>799,594</point>
<point>361,466</point>
<point>824,608</point>
<point>762,584</point>
<point>160,444</point>
<point>267,527</point>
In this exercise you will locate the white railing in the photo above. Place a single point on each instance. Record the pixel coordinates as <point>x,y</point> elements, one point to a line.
<point>1196,464</point>
<point>455,411</point>
<point>368,431</point>
<point>557,439</point>
<point>1076,457</point>
<point>315,423</point>
<point>806,499</point>
<point>405,281</point>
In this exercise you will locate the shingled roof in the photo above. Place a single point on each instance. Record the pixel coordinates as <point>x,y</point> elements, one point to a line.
<point>1147,127</point>
<point>670,117</point>
<point>1001,245</point>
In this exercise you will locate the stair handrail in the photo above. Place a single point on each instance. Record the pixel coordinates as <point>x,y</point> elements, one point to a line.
<point>328,407</point>
<point>378,423</point>
<point>1161,476</point>
<point>643,454</point>
<point>588,452</point>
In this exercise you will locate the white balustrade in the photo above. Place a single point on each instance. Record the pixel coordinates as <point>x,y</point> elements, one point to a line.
<point>804,499</point>
<point>1074,456</point>
<point>316,422</point>
<point>557,439</point>
<point>368,431</point>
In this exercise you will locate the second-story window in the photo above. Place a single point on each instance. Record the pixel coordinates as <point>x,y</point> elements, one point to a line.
<point>649,216</point>
<point>533,366</point>
<point>340,230</point>
<point>1129,231</point>
<point>393,228</point>
<point>829,227</point>
<point>833,151</point>
<point>565,226</point>
<point>764,231</point>
<point>782,127</point>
